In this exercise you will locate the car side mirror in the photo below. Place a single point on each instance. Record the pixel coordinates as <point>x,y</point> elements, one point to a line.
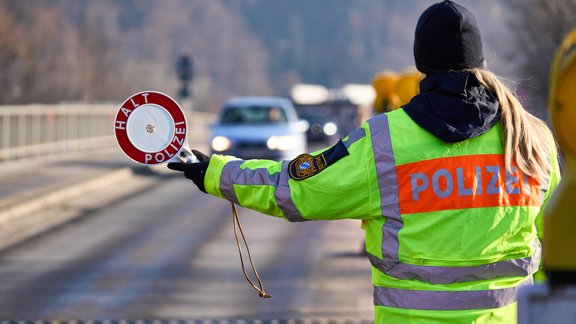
<point>302,125</point>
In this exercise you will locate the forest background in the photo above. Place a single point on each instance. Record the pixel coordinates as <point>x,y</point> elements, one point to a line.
<point>105,50</point>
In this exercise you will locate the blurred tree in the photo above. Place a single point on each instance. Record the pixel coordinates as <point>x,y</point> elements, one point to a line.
<point>105,50</point>
<point>347,41</point>
<point>228,60</point>
<point>45,58</point>
<point>538,28</point>
<point>8,55</point>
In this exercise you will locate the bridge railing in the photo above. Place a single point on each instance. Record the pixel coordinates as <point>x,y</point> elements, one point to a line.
<point>30,130</point>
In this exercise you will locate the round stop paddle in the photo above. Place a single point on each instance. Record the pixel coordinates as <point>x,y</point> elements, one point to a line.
<point>150,128</point>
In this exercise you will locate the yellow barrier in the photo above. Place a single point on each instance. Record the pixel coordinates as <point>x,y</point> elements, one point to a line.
<point>560,219</point>
<point>394,89</point>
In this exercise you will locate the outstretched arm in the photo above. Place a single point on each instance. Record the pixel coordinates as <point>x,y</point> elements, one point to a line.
<point>335,183</point>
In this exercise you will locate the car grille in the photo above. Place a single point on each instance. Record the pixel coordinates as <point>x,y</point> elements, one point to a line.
<point>251,145</point>
<point>255,150</point>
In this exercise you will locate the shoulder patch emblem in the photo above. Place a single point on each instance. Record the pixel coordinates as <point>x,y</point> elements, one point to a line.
<point>306,165</point>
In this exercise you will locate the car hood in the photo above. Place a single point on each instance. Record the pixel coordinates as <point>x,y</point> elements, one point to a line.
<point>252,132</point>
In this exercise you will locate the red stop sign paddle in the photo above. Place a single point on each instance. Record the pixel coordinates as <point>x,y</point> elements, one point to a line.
<point>150,128</point>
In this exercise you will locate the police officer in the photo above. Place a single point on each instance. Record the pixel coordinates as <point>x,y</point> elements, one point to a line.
<point>450,188</point>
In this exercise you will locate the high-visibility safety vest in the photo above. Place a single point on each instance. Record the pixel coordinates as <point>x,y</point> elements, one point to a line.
<point>450,232</point>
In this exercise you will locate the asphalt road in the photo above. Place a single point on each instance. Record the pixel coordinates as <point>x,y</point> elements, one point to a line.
<point>167,251</point>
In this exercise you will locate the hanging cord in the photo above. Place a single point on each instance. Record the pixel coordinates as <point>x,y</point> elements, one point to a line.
<point>260,288</point>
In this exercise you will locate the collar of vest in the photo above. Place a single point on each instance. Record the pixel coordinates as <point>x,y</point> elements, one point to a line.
<point>454,106</point>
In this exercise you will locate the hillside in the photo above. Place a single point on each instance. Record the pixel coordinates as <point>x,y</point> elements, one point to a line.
<point>107,49</point>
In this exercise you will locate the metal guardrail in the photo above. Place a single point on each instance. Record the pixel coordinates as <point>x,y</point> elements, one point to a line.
<point>30,130</point>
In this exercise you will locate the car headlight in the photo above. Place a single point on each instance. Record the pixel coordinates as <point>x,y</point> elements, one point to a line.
<point>221,143</point>
<point>330,129</point>
<point>281,143</point>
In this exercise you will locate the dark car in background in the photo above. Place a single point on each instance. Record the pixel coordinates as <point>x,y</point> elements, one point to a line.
<point>329,120</point>
<point>323,125</point>
<point>259,128</point>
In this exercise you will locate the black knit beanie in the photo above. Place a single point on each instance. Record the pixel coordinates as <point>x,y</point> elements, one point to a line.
<point>447,38</point>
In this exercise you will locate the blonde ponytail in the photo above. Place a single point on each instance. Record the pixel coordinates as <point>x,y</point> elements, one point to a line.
<point>529,142</point>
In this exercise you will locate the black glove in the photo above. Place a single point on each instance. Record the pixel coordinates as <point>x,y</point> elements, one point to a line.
<point>193,171</point>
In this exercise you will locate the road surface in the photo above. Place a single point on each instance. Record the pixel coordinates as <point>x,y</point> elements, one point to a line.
<point>164,250</point>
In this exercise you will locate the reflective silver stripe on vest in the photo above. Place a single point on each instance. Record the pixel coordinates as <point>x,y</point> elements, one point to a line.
<point>283,198</point>
<point>386,170</point>
<point>354,136</point>
<point>446,300</point>
<point>232,174</point>
<point>446,275</point>
<point>390,264</point>
<point>227,179</point>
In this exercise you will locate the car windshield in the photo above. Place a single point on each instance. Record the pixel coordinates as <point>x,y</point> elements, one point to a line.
<point>253,115</point>
<point>315,112</point>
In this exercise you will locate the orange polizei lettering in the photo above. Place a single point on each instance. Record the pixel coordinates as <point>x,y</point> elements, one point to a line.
<point>471,181</point>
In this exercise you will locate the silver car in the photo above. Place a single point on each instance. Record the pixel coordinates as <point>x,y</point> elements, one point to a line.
<point>259,128</point>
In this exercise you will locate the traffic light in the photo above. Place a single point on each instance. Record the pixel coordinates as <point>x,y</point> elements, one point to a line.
<point>185,72</point>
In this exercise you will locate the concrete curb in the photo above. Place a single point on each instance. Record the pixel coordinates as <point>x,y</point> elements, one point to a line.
<point>22,219</point>
<point>59,196</point>
<point>25,219</point>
